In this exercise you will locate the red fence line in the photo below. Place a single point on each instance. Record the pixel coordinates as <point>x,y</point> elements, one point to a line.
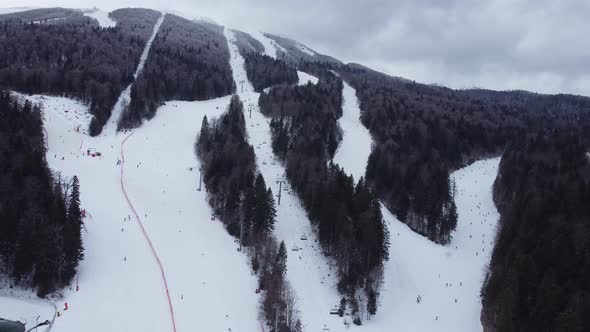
<point>145,235</point>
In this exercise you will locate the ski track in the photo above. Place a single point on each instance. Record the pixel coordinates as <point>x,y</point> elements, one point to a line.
<point>353,152</point>
<point>145,234</point>
<point>308,271</point>
<point>419,267</point>
<point>110,127</point>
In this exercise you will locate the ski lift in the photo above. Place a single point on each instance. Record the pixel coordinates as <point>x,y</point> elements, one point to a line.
<point>334,311</point>
<point>303,237</point>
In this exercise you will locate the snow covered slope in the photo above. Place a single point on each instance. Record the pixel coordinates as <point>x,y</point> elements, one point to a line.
<point>121,286</point>
<point>447,278</point>
<point>353,152</point>
<point>19,307</point>
<point>305,77</point>
<point>308,270</point>
<point>104,21</point>
<point>110,127</point>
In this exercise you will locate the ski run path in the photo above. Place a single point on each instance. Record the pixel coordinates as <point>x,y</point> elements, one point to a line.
<point>417,266</point>
<point>111,126</point>
<point>164,228</point>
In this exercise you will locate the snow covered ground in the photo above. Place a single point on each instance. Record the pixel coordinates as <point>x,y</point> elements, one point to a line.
<point>22,307</point>
<point>308,270</point>
<point>104,21</point>
<point>353,152</point>
<point>120,284</point>
<point>304,78</point>
<point>270,46</point>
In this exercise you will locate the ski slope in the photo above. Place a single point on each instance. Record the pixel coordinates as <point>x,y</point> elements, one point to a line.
<point>353,152</point>
<point>120,284</point>
<point>419,267</point>
<point>308,270</point>
<point>304,78</point>
<point>111,126</point>
<point>104,21</point>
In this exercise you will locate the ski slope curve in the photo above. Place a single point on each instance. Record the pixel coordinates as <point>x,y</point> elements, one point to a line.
<point>145,234</point>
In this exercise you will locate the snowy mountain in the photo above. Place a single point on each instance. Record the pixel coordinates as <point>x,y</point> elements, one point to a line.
<point>384,190</point>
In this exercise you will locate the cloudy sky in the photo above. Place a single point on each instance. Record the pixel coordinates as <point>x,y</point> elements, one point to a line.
<point>537,45</point>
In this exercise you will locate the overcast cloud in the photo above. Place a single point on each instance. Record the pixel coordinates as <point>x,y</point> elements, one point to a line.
<point>537,45</point>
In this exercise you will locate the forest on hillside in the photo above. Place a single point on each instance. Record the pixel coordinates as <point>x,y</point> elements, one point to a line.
<point>241,199</point>
<point>40,217</point>
<point>264,71</point>
<point>188,61</point>
<point>538,275</point>
<point>424,132</point>
<point>75,58</point>
<point>346,214</point>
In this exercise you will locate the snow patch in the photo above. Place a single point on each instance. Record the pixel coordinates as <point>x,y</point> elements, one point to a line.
<point>49,20</point>
<point>104,21</point>
<point>304,78</point>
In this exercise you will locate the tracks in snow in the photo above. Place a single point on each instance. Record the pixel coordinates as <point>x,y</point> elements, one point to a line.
<point>145,235</point>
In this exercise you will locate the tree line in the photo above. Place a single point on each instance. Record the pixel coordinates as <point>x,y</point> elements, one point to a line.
<point>241,199</point>
<point>188,61</point>
<point>345,213</point>
<point>264,71</point>
<point>538,279</point>
<point>40,217</point>
<point>77,59</point>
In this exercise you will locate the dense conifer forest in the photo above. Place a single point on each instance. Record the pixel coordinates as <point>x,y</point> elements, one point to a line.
<point>74,58</point>
<point>188,61</point>
<point>423,132</point>
<point>305,135</point>
<point>241,199</point>
<point>538,277</point>
<point>40,217</point>
<point>264,71</point>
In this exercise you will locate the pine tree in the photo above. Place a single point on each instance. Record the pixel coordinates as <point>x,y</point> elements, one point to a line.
<point>271,213</point>
<point>259,216</point>
<point>371,301</point>
<point>204,135</point>
<point>73,249</point>
<point>281,259</point>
